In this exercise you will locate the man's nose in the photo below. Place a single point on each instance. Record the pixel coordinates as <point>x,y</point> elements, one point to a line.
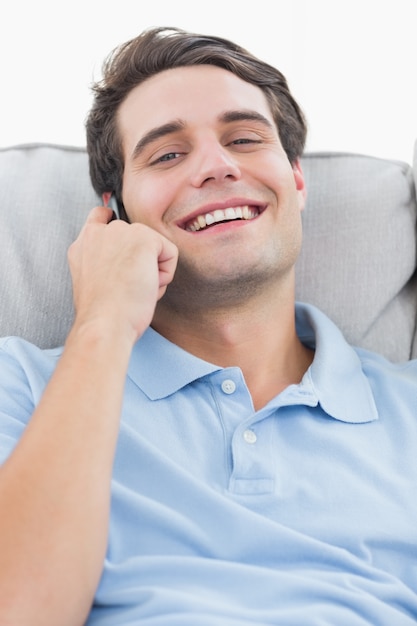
<point>214,163</point>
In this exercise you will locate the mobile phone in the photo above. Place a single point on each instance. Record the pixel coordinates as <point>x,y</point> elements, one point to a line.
<point>109,199</point>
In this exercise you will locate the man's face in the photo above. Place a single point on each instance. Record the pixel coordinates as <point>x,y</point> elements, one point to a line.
<point>205,167</point>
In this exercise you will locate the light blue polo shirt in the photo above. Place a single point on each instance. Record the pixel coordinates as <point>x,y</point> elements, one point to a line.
<point>301,514</point>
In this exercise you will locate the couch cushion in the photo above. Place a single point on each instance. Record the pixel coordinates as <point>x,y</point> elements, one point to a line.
<point>357,261</point>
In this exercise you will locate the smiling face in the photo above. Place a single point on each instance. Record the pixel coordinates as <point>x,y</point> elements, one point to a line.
<point>205,167</point>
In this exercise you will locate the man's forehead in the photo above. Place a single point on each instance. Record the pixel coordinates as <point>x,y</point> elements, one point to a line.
<point>187,93</point>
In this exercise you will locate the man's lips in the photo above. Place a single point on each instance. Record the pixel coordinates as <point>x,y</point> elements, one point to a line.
<point>203,221</point>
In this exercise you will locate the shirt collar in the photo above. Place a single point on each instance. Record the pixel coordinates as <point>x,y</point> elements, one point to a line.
<point>335,378</point>
<point>166,367</point>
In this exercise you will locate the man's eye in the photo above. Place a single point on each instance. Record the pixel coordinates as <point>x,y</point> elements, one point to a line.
<point>245,140</point>
<point>169,156</point>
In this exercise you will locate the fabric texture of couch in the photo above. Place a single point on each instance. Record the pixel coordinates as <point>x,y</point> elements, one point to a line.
<point>358,261</point>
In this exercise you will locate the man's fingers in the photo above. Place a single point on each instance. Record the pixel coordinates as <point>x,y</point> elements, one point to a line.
<point>167,262</point>
<point>99,215</point>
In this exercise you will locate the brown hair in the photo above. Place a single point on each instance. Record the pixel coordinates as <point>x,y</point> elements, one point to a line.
<point>159,49</point>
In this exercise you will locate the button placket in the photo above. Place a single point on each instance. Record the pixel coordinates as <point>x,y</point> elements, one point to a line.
<point>252,470</point>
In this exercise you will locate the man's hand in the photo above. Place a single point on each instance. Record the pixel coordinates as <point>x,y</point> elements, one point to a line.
<point>119,272</point>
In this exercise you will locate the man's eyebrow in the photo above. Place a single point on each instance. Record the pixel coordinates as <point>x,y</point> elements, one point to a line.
<point>156,133</point>
<point>239,115</point>
<point>242,115</point>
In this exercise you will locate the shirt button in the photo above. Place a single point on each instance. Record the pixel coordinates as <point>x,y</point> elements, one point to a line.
<point>249,436</point>
<point>228,386</point>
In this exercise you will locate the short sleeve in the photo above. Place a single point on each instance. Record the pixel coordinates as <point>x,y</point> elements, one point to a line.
<point>24,373</point>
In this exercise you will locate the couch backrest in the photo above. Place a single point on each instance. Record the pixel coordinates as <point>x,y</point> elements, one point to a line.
<point>358,261</point>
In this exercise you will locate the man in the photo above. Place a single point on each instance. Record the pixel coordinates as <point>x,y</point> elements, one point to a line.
<point>201,451</point>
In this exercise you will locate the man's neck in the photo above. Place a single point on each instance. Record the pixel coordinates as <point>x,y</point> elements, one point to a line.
<point>261,341</point>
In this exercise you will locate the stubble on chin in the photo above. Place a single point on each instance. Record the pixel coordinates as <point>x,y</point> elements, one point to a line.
<point>193,291</point>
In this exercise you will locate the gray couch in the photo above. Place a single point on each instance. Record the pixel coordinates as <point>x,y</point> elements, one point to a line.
<point>358,262</point>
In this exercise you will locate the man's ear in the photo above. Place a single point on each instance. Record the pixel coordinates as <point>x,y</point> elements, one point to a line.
<point>300,182</point>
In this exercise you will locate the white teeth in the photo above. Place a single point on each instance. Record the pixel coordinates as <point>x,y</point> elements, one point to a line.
<point>221,215</point>
<point>230,214</point>
<point>201,221</point>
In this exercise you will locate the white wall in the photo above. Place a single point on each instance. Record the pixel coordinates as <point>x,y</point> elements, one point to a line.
<point>352,64</point>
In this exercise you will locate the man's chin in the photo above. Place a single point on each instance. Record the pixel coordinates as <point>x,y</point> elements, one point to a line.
<point>203,290</point>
